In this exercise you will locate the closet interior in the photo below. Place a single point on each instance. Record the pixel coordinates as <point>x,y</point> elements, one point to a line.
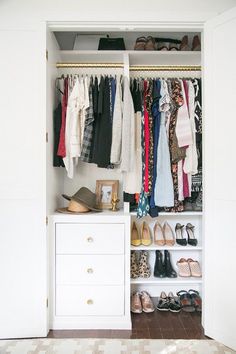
<point>152,247</point>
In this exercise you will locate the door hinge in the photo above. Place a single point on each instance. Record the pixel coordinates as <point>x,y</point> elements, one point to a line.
<point>47,137</point>
<point>46,220</point>
<point>46,54</point>
<point>47,302</point>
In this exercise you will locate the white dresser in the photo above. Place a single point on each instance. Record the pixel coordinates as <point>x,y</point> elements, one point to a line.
<point>90,271</point>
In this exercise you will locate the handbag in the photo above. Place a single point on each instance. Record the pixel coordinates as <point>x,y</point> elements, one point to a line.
<point>111,44</point>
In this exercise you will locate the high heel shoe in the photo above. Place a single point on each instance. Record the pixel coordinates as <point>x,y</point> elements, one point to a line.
<point>145,234</point>
<point>195,268</point>
<point>135,237</point>
<point>190,232</point>
<point>158,234</point>
<point>196,43</point>
<point>168,234</point>
<point>179,235</point>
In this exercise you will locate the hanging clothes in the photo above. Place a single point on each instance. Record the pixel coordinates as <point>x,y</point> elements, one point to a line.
<point>57,119</point>
<point>105,128</point>
<point>61,146</point>
<point>128,131</point>
<point>132,182</point>
<point>88,128</point>
<point>163,190</point>
<point>117,126</point>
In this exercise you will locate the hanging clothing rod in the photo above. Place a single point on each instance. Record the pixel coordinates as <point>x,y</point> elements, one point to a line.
<point>132,67</point>
<point>165,68</point>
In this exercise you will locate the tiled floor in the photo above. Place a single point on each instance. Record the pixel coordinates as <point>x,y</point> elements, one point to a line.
<point>156,325</point>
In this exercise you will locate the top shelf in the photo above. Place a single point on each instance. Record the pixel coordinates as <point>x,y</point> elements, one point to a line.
<point>135,57</point>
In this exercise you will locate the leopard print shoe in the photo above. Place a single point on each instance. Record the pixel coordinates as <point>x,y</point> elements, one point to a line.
<point>134,269</point>
<point>144,267</point>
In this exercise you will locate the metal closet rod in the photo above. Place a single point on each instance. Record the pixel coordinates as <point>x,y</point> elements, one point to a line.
<point>132,67</point>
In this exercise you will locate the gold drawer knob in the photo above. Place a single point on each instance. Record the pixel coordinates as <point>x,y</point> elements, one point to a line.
<point>90,239</point>
<point>90,270</point>
<point>90,302</point>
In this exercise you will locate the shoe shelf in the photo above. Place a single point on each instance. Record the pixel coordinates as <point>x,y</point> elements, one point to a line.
<point>136,57</point>
<point>164,281</point>
<point>170,248</point>
<point>184,213</point>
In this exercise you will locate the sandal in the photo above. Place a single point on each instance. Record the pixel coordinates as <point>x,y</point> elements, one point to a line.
<point>196,299</point>
<point>184,268</point>
<point>140,43</point>
<point>194,268</point>
<point>186,301</point>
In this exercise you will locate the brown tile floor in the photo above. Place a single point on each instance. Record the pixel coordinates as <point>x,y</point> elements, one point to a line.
<point>156,325</point>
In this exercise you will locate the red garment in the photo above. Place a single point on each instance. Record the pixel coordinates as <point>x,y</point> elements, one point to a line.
<point>62,146</point>
<point>185,183</point>
<point>146,140</point>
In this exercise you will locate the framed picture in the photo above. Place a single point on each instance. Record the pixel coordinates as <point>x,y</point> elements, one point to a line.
<point>105,191</point>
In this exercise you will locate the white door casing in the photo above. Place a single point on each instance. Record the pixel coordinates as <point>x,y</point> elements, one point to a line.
<point>22,185</point>
<point>220,170</point>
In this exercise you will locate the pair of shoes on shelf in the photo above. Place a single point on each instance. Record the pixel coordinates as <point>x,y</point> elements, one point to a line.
<point>139,266</point>
<point>190,300</point>
<point>141,238</point>
<point>164,44</point>
<point>189,268</point>
<point>191,205</point>
<point>145,43</point>
<point>180,239</point>
<point>196,45</point>
<point>168,303</point>
<point>163,235</point>
<point>141,302</point>
<point>163,269</point>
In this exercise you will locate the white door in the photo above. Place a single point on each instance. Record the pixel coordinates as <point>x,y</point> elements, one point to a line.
<point>220,178</point>
<point>23,277</point>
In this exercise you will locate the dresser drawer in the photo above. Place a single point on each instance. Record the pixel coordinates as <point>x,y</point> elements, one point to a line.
<point>87,269</point>
<point>90,238</point>
<point>89,300</point>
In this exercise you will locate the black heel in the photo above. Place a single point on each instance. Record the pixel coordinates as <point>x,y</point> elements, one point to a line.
<point>179,235</point>
<point>191,238</point>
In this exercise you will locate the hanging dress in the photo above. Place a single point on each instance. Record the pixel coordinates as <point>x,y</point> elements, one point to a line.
<point>164,189</point>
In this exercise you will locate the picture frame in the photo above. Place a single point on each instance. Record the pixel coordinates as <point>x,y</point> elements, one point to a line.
<point>105,191</point>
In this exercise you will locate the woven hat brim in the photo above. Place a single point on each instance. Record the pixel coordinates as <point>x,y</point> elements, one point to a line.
<point>78,200</point>
<point>66,211</point>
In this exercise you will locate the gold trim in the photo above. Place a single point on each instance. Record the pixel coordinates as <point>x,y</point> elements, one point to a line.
<point>165,68</point>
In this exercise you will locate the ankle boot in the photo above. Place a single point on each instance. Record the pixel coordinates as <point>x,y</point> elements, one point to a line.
<point>159,270</point>
<point>144,267</point>
<point>134,272</point>
<point>170,272</point>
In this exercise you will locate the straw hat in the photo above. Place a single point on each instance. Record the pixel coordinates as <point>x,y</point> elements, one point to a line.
<point>81,202</point>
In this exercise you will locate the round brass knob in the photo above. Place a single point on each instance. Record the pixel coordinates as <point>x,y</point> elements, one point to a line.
<point>90,239</point>
<point>90,270</point>
<point>90,302</point>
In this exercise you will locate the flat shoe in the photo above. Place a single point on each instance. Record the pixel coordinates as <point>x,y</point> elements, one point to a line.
<point>147,303</point>
<point>136,306</point>
<point>163,302</point>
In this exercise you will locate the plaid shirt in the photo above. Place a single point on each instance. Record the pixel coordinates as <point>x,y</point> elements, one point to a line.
<point>88,129</point>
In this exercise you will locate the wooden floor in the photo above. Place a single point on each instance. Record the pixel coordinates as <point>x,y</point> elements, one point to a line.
<point>156,325</point>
